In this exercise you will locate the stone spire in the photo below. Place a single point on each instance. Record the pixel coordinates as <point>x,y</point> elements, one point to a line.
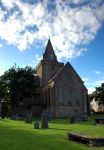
<point>49,54</point>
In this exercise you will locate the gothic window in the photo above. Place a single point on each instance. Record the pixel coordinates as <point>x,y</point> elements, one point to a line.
<point>68,78</point>
<point>44,99</point>
<point>56,92</point>
<point>70,93</point>
<point>77,102</point>
<point>60,95</point>
<point>69,103</point>
<point>49,97</point>
<point>53,68</point>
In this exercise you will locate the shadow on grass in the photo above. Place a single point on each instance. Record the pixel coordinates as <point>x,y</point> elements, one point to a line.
<point>60,129</point>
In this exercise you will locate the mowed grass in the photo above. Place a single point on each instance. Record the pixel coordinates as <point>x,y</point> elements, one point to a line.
<point>17,135</point>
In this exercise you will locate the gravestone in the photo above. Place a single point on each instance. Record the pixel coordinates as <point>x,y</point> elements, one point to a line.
<point>36,125</point>
<point>15,117</point>
<point>72,119</point>
<point>28,116</point>
<point>49,114</point>
<point>44,119</point>
<point>0,109</point>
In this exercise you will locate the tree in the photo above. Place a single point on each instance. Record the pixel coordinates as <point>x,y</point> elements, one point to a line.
<point>17,84</point>
<point>98,95</point>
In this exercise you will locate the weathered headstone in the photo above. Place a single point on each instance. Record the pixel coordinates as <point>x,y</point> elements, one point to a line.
<point>28,116</point>
<point>15,116</point>
<point>36,125</point>
<point>0,109</point>
<point>44,119</point>
<point>4,110</point>
<point>49,114</point>
<point>9,112</point>
<point>72,119</point>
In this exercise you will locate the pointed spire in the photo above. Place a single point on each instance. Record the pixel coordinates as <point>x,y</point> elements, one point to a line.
<point>49,46</point>
<point>49,54</point>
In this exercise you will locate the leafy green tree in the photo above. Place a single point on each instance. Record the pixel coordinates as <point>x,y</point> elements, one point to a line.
<point>98,94</point>
<point>17,84</point>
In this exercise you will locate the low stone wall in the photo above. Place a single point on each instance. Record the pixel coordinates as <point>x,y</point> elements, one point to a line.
<point>82,138</point>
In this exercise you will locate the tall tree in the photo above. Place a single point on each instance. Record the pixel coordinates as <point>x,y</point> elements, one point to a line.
<point>98,94</point>
<point>17,84</point>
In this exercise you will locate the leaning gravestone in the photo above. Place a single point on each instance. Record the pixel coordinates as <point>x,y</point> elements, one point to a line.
<point>28,116</point>
<point>44,119</point>
<point>36,125</point>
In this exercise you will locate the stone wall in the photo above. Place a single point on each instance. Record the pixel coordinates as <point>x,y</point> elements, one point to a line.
<point>46,70</point>
<point>70,94</point>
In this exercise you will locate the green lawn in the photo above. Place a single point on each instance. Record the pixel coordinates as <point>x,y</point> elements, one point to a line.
<point>17,135</point>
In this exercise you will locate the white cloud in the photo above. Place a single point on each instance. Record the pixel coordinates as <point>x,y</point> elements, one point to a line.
<point>35,61</point>
<point>1,45</point>
<point>95,83</point>
<point>97,72</point>
<point>90,90</point>
<point>7,4</point>
<point>85,79</point>
<point>91,85</point>
<point>70,28</point>
<point>2,70</point>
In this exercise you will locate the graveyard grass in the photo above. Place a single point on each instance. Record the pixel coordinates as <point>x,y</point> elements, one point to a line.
<point>17,135</point>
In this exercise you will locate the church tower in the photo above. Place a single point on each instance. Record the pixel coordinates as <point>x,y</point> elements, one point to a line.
<point>49,54</point>
<point>48,65</point>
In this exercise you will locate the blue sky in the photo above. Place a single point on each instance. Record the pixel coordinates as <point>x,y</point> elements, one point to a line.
<point>75,27</point>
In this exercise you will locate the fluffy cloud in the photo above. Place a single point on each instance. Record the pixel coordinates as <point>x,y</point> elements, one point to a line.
<point>85,79</point>
<point>71,25</point>
<point>97,72</point>
<point>95,83</point>
<point>2,70</point>
<point>34,62</point>
<point>1,45</point>
<point>92,84</point>
<point>91,89</point>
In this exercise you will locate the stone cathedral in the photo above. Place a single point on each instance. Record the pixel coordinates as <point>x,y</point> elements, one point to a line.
<point>61,90</point>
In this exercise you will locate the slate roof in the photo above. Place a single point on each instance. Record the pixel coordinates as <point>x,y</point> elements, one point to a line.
<point>60,70</point>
